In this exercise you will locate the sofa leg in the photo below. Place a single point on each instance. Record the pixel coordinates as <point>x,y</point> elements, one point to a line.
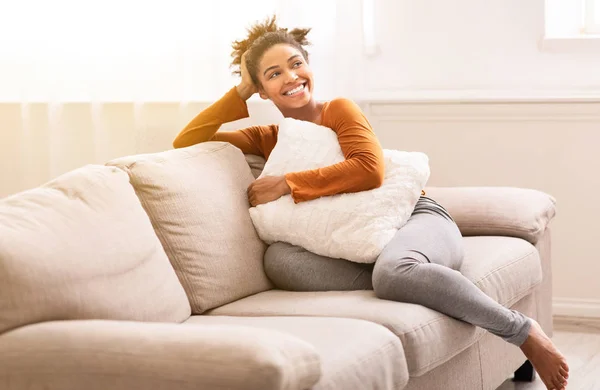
<point>525,373</point>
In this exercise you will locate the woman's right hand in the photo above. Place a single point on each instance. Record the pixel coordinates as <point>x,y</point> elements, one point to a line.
<point>246,88</point>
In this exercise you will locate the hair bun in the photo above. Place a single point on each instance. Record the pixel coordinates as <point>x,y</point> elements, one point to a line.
<point>254,32</point>
<point>300,34</point>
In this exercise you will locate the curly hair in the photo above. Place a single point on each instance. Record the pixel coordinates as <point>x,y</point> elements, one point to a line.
<point>261,37</point>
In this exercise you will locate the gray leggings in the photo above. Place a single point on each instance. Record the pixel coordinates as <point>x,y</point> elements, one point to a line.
<point>420,265</point>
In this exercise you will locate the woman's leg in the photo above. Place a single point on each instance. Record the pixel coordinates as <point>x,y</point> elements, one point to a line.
<point>293,268</point>
<point>420,266</point>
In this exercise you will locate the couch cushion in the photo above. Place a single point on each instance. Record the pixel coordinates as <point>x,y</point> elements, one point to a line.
<point>355,354</point>
<point>497,211</point>
<point>505,268</point>
<point>82,247</point>
<point>126,355</point>
<point>196,199</point>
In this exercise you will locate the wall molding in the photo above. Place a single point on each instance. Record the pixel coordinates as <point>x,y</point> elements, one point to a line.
<point>476,96</point>
<point>435,111</point>
<point>574,307</point>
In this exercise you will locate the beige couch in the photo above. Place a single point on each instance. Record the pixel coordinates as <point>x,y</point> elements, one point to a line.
<point>147,273</point>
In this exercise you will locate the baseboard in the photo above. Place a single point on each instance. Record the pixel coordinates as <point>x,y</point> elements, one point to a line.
<point>581,308</point>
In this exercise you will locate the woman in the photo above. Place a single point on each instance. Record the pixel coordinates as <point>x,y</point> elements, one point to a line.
<point>419,265</point>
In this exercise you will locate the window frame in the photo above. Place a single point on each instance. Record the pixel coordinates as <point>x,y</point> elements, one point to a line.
<point>569,26</point>
<point>592,26</point>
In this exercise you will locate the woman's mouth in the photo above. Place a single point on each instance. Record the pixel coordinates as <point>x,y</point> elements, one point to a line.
<point>296,91</point>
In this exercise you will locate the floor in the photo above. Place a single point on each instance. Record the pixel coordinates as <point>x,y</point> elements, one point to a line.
<point>579,341</point>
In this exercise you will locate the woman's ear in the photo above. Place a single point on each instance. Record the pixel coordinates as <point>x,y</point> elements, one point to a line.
<point>262,93</point>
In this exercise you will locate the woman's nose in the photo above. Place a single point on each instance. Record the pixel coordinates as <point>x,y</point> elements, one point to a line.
<point>291,77</point>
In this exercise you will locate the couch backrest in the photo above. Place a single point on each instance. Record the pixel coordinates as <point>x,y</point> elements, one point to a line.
<point>197,201</point>
<point>256,164</point>
<point>82,247</point>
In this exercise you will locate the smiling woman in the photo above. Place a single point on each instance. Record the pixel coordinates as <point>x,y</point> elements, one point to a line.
<point>421,263</point>
<point>274,63</point>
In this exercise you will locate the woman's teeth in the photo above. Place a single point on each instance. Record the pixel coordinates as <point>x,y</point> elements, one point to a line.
<point>295,90</point>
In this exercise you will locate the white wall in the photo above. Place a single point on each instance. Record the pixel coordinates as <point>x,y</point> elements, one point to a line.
<point>462,48</point>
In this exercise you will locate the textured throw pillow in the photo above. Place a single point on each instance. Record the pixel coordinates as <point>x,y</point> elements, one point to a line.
<point>351,226</point>
<point>197,201</point>
<point>82,247</point>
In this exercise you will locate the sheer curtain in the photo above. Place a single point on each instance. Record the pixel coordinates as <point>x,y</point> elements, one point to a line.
<point>126,50</point>
<point>87,81</point>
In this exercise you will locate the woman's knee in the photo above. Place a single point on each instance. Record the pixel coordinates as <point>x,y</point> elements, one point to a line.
<point>276,258</point>
<point>392,275</point>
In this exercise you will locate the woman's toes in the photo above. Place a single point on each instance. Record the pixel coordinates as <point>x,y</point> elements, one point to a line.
<point>553,384</point>
<point>564,373</point>
<point>562,379</point>
<point>559,382</point>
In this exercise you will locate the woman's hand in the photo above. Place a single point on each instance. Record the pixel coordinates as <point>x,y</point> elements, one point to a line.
<point>246,88</point>
<point>267,189</point>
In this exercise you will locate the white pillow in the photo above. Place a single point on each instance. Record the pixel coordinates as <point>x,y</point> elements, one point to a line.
<point>352,226</point>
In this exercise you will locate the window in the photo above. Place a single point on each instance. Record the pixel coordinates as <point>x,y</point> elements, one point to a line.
<point>571,25</point>
<point>592,16</point>
<point>572,18</point>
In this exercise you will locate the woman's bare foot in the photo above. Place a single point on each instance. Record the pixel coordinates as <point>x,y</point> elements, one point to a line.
<point>549,363</point>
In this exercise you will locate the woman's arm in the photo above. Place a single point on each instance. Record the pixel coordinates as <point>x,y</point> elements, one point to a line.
<point>364,167</point>
<point>232,106</point>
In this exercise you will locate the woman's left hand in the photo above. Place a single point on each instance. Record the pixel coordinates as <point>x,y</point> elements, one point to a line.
<point>267,189</point>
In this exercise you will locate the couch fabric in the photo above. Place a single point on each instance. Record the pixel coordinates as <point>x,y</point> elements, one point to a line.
<point>484,365</point>
<point>497,211</point>
<point>119,355</point>
<point>196,199</point>
<point>355,354</point>
<point>82,247</point>
<point>505,268</point>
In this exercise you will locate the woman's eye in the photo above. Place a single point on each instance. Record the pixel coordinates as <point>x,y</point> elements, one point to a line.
<point>274,74</point>
<point>297,64</point>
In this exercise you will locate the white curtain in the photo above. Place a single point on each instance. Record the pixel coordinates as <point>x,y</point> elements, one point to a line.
<point>86,81</point>
<point>132,50</point>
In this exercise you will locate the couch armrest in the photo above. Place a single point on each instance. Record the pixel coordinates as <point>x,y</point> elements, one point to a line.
<point>497,211</point>
<point>120,355</point>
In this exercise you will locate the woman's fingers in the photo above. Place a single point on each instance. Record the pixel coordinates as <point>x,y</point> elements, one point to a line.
<point>256,194</point>
<point>250,194</point>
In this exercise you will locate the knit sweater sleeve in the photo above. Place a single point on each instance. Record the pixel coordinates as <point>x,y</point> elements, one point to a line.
<point>363,168</point>
<point>231,107</point>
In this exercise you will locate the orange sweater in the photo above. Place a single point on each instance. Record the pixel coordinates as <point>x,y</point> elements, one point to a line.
<point>362,170</point>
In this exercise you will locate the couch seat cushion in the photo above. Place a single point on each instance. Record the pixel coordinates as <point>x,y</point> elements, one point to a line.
<point>197,200</point>
<point>82,247</point>
<point>127,355</point>
<point>355,354</point>
<point>505,268</point>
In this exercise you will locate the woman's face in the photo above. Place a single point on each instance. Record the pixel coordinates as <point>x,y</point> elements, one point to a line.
<point>285,77</point>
